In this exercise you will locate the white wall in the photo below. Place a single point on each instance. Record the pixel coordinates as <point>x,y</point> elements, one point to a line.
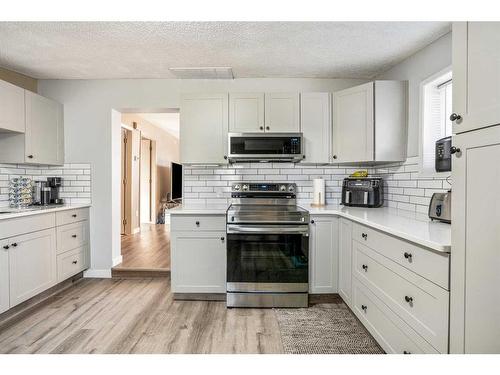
<point>416,68</point>
<point>90,136</point>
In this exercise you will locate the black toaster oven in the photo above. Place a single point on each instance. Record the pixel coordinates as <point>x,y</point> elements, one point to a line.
<point>363,192</point>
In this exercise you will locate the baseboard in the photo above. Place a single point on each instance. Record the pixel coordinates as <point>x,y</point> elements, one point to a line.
<point>117,260</point>
<point>97,274</point>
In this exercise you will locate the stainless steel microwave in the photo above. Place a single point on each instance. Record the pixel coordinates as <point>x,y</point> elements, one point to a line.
<point>280,147</point>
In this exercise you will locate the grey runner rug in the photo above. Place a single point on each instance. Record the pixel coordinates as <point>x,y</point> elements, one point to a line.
<point>324,329</point>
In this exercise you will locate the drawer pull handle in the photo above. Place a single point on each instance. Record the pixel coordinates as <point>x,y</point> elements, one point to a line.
<point>74,236</point>
<point>409,299</point>
<point>6,247</point>
<point>364,235</point>
<point>365,267</point>
<point>75,262</point>
<point>408,256</point>
<point>222,238</point>
<point>14,244</point>
<point>364,307</point>
<point>74,215</point>
<point>406,352</point>
<point>312,221</point>
<point>197,223</point>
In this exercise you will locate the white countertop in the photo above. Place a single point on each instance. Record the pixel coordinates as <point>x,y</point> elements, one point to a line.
<point>408,225</point>
<point>411,226</point>
<point>36,210</point>
<point>199,209</point>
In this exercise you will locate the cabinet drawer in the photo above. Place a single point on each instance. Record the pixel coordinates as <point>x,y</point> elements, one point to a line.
<point>21,225</point>
<point>71,236</point>
<point>198,223</point>
<point>392,334</point>
<point>420,303</point>
<point>72,216</point>
<point>429,264</point>
<point>71,262</point>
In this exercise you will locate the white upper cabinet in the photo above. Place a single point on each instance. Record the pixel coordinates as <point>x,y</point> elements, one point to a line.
<point>282,112</point>
<point>12,116</point>
<point>370,123</point>
<point>44,130</point>
<point>476,75</point>
<point>246,112</point>
<point>203,128</point>
<point>42,138</point>
<point>316,124</point>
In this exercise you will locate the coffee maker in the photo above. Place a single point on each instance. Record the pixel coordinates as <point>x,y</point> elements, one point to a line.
<point>47,192</point>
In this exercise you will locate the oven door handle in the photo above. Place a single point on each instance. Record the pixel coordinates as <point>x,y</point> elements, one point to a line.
<point>268,229</point>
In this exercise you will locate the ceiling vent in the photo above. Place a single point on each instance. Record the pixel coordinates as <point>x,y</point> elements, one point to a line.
<point>203,73</point>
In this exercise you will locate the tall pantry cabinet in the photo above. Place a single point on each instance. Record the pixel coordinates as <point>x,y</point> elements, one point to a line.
<point>475,259</point>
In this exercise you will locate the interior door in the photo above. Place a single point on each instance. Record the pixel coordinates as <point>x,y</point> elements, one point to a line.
<point>282,112</point>
<point>124,182</point>
<point>246,112</point>
<point>32,264</point>
<point>476,75</point>
<point>43,125</point>
<point>475,260</point>
<point>145,181</point>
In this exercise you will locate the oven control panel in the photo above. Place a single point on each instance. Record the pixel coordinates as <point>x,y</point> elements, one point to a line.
<point>264,187</point>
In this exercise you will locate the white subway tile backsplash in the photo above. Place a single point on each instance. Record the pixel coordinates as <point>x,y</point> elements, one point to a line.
<point>404,188</point>
<point>76,187</point>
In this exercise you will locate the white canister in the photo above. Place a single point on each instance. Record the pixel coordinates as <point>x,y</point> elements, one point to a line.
<point>318,192</point>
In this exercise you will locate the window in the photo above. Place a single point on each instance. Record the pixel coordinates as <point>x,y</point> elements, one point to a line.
<point>436,97</point>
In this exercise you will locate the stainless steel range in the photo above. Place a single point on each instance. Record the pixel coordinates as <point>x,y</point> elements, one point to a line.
<point>267,247</point>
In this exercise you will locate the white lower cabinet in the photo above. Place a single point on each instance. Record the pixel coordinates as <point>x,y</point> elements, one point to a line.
<point>345,260</point>
<point>323,255</point>
<point>4,276</point>
<point>198,262</point>
<point>420,303</point>
<point>390,331</point>
<point>32,264</point>
<point>36,254</point>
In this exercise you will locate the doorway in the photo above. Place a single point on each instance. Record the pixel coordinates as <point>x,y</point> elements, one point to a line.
<point>148,149</point>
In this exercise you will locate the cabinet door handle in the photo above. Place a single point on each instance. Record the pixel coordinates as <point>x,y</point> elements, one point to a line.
<point>455,117</point>
<point>74,236</point>
<point>197,223</point>
<point>6,247</point>
<point>268,128</point>
<point>312,221</point>
<point>74,215</point>
<point>364,307</point>
<point>30,156</point>
<point>364,235</point>
<point>365,267</point>
<point>74,262</point>
<point>408,256</point>
<point>409,299</point>
<point>14,244</point>
<point>455,150</point>
<point>225,157</point>
<point>335,156</point>
<point>261,127</point>
<point>406,352</point>
<point>222,238</point>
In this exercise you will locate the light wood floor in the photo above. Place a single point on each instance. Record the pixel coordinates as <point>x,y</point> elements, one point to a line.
<point>139,316</point>
<point>148,249</point>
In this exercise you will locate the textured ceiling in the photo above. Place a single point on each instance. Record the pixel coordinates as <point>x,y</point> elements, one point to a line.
<point>82,50</point>
<point>169,122</point>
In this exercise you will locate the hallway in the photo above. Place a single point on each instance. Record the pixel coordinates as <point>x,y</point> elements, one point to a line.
<point>145,252</point>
